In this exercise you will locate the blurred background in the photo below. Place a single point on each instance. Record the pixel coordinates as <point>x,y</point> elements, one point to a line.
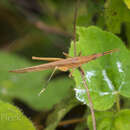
<point>44,28</point>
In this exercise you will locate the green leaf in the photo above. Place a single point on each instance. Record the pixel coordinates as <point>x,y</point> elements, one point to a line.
<point>122,120</point>
<point>91,13</point>
<point>103,120</point>
<point>116,14</point>
<point>106,76</point>
<point>26,87</point>
<point>111,120</point>
<point>11,118</point>
<point>127,2</point>
<point>60,111</point>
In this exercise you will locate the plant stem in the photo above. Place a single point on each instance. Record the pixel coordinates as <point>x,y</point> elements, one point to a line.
<point>81,70</point>
<point>72,121</point>
<point>117,102</point>
<point>89,98</point>
<point>75,18</point>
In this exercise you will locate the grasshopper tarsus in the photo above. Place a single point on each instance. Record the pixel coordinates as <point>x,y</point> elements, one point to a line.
<point>39,94</point>
<point>67,55</point>
<point>110,51</point>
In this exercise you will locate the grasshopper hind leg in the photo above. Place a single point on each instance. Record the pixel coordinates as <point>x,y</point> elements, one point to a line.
<point>44,88</point>
<point>67,55</point>
<point>70,74</point>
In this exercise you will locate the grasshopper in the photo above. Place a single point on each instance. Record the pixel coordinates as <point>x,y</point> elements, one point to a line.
<point>61,63</point>
<point>67,64</point>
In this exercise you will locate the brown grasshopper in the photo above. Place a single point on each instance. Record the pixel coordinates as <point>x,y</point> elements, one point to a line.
<point>62,64</point>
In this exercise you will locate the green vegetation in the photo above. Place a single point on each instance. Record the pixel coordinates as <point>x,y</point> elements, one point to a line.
<point>45,29</point>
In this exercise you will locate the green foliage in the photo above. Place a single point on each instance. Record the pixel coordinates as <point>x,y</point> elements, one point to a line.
<point>60,110</point>
<point>127,2</point>
<point>116,14</point>
<point>92,11</point>
<point>103,119</point>
<point>122,120</point>
<point>111,120</point>
<point>11,118</point>
<point>27,86</point>
<point>107,76</point>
